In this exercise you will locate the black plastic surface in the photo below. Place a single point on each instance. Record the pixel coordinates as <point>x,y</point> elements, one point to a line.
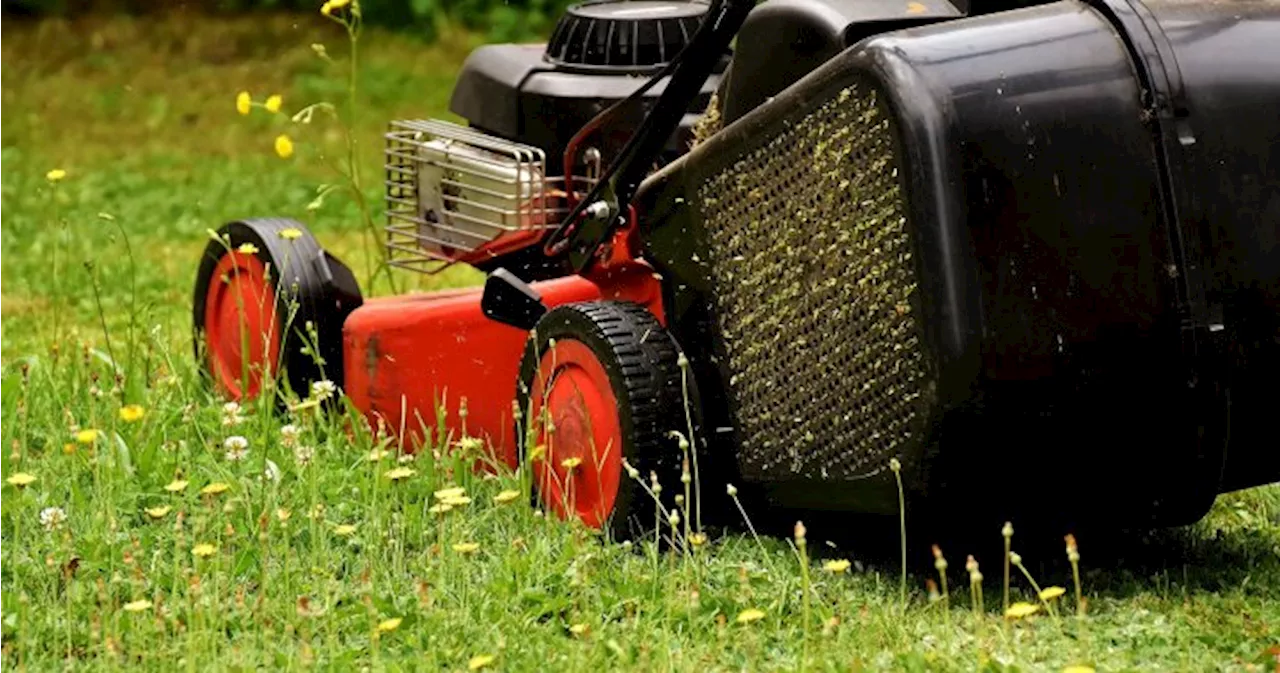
<point>511,301</point>
<point>1056,234</point>
<point>633,37</point>
<point>511,91</point>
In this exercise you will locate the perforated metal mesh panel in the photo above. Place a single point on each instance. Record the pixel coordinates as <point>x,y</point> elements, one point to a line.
<point>815,295</point>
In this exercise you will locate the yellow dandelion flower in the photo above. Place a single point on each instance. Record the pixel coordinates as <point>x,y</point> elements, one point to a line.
<point>273,103</point>
<point>750,615</point>
<point>344,530</point>
<point>1050,593</point>
<point>571,463</point>
<point>467,547</point>
<point>138,605</point>
<point>1020,610</point>
<point>836,566</point>
<point>284,146</point>
<point>204,549</point>
<point>459,501</point>
<point>158,512</point>
<point>291,233</point>
<point>389,625</point>
<point>480,660</point>
<point>247,249</point>
<point>537,453</point>
<point>1078,668</point>
<point>578,629</point>
<point>328,7</point>
<point>243,102</point>
<point>176,486</point>
<point>283,514</point>
<point>400,473</point>
<point>132,412</point>
<point>215,488</point>
<point>21,479</point>
<point>87,436</point>
<point>69,448</point>
<point>506,497</point>
<point>440,508</point>
<point>377,454</point>
<point>55,175</point>
<point>698,539</point>
<point>447,493</point>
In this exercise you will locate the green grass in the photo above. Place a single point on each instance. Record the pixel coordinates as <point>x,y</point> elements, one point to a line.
<point>140,113</point>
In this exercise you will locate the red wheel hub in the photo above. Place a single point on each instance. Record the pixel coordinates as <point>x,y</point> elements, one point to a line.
<point>240,324</point>
<point>582,465</point>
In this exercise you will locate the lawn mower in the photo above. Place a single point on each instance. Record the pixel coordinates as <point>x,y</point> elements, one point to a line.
<point>1014,256</point>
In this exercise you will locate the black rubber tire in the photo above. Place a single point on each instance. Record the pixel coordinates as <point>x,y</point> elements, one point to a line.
<point>324,289</point>
<point>642,363</point>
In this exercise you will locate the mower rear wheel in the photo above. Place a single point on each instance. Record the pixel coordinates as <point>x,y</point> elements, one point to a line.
<point>600,382</point>
<point>257,289</point>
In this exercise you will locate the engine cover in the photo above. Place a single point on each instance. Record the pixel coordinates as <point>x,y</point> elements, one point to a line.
<point>541,95</point>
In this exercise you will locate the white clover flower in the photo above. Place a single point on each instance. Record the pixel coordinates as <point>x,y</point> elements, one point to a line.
<point>237,448</point>
<point>52,518</point>
<point>289,435</point>
<point>304,455</point>
<point>323,390</point>
<point>231,415</point>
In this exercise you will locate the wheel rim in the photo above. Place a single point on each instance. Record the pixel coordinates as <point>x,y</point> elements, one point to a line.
<point>579,400</point>
<point>240,325</point>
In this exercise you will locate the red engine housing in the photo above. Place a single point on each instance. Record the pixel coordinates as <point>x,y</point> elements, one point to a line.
<point>405,355</point>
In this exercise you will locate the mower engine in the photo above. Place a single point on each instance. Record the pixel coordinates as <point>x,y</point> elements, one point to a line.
<point>484,194</point>
<point>980,242</point>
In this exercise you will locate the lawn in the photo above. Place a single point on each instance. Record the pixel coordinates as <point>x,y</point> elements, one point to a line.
<point>149,537</point>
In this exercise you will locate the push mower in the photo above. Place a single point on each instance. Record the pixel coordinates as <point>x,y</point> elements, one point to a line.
<point>1027,253</point>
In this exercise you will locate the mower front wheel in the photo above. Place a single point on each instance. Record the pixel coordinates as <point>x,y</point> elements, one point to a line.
<point>600,384</point>
<point>260,284</point>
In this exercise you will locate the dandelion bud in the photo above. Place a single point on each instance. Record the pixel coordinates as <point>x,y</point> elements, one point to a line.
<point>895,465</point>
<point>657,488</point>
<point>1007,530</point>
<point>682,361</point>
<point>939,561</point>
<point>633,472</point>
<point>975,577</point>
<point>674,519</point>
<point>684,444</point>
<point>685,478</point>
<point>731,490</point>
<point>1015,558</point>
<point>971,564</point>
<point>679,500</point>
<point>932,588</point>
<point>800,531</point>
